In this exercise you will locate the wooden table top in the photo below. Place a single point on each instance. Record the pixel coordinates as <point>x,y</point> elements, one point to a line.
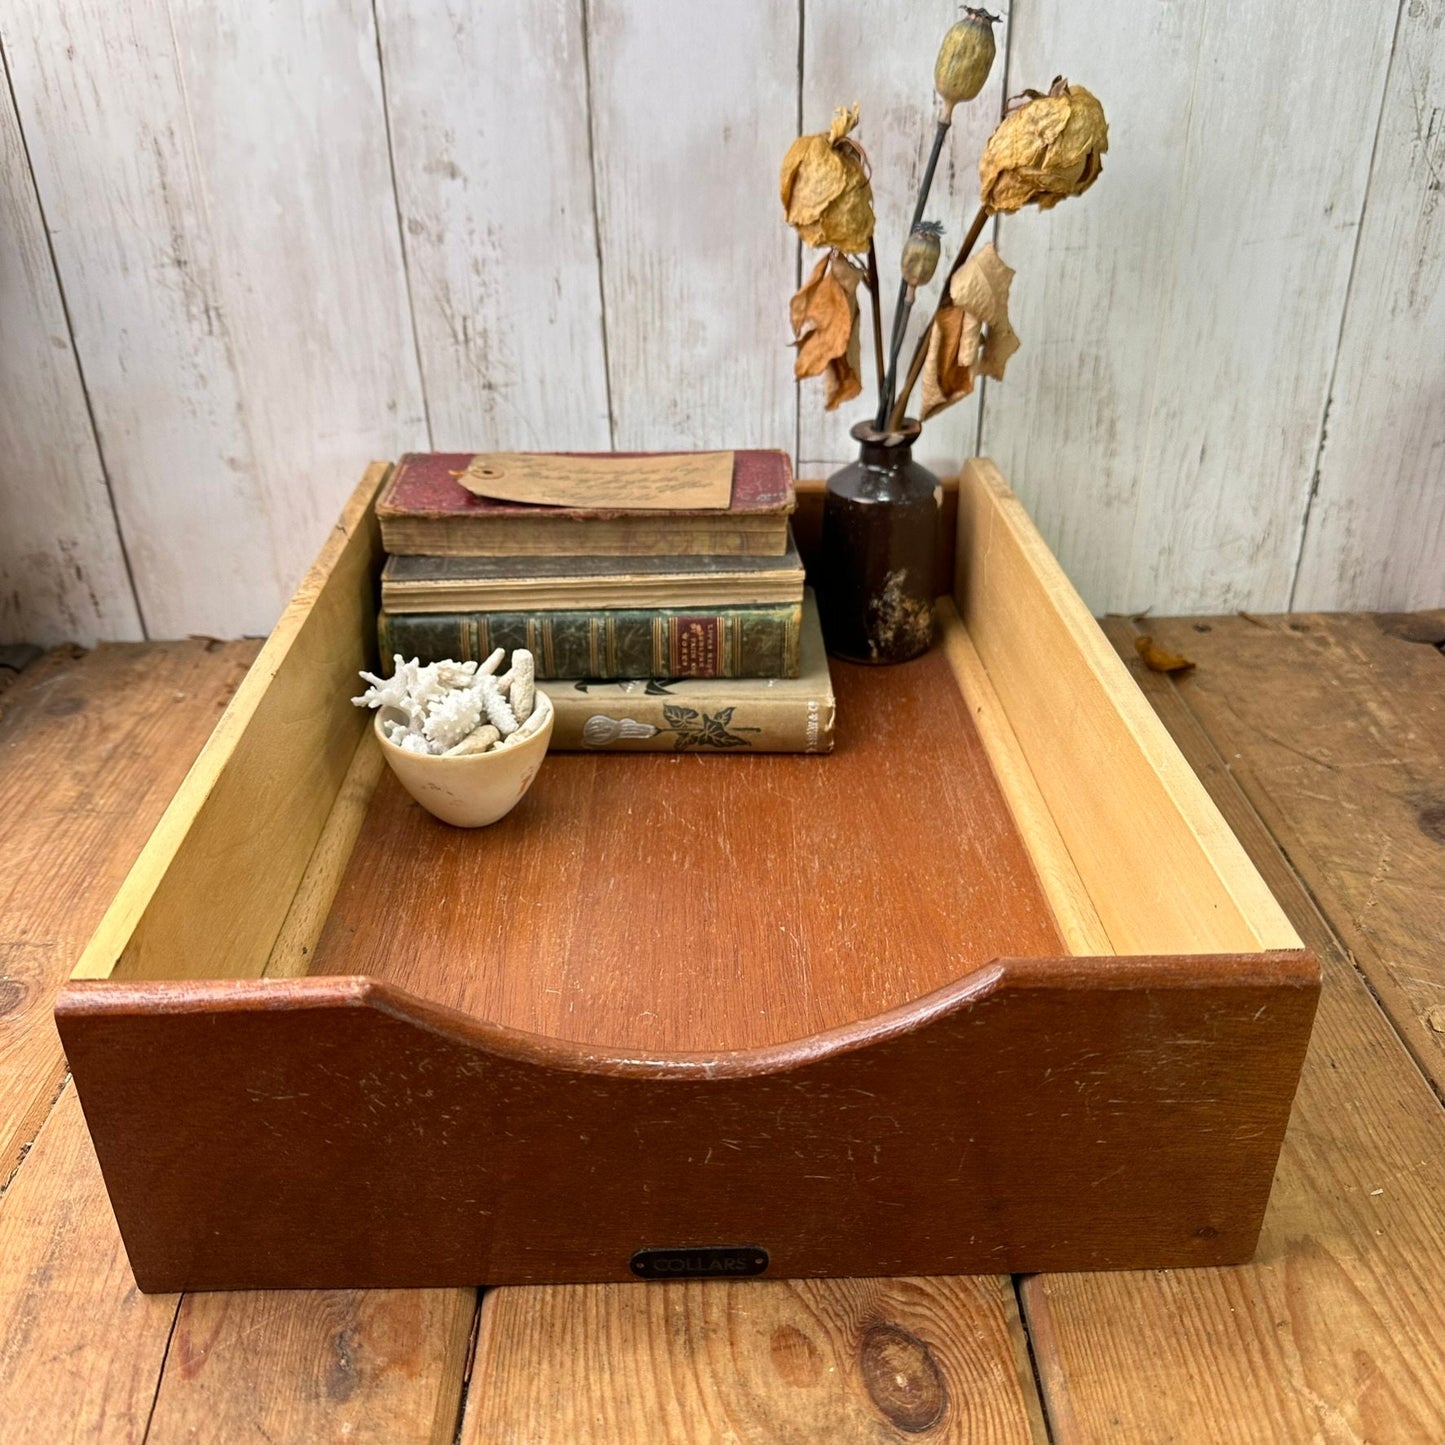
<point>1321,738</point>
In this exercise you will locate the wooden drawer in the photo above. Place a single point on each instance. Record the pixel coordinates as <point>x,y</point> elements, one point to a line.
<point>991,988</point>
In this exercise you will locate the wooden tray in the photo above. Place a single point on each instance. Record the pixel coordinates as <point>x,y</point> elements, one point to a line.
<point>991,988</point>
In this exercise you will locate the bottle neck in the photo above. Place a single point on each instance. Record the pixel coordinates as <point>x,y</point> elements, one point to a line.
<point>885,457</point>
<point>884,450</point>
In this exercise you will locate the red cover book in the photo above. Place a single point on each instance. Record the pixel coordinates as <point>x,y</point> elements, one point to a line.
<point>425,511</point>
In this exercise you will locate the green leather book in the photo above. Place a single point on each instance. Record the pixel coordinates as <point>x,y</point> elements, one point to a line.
<point>700,715</point>
<point>611,642</point>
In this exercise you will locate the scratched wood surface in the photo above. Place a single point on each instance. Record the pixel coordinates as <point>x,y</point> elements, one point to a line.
<point>1330,1335</point>
<point>1338,732</point>
<point>91,749</point>
<point>706,898</point>
<point>769,1363</point>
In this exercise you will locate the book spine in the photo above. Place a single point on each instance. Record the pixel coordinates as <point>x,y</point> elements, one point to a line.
<point>613,643</point>
<point>408,536</point>
<point>713,724</point>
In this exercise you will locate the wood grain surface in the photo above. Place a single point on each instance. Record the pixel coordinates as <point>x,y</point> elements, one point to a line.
<point>336,1132</point>
<point>1332,1333</point>
<point>91,749</point>
<point>1337,731</point>
<point>1327,1344</point>
<point>772,1363</point>
<point>707,896</point>
<point>370,1367</point>
<point>81,1348</point>
<point>1160,865</point>
<point>240,830</point>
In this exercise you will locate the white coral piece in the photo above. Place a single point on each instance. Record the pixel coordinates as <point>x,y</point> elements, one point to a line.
<point>499,711</point>
<point>387,691</point>
<point>455,674</point>
<point>524,690</point>
<point>452,716</point>
<point>438,707</point>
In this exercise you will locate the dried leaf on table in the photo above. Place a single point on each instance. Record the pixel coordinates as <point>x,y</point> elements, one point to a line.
<point>825,189</point>
<point>1156,659</point>
<point>972,337</point>
<point>825,321</point>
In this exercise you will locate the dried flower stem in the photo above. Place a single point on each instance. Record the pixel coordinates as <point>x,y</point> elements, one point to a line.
<point>877,320</point>
<point>920,351</point>
<point>940,134</point>
<point>903,305</point>
<point>900,330</point>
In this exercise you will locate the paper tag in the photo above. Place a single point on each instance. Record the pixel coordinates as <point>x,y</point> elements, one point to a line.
<point>685,482</point>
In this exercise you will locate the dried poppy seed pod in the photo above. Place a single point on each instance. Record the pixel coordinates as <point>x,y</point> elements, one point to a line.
<point>1050,148</point>
<point>920,253</point>
<point>964,59</point>
<point>825,190</point>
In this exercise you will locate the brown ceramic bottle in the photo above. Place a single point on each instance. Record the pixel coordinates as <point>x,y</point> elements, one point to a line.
<point>879,552</point>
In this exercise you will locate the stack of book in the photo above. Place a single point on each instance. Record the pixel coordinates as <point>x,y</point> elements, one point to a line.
<point>685,629</point>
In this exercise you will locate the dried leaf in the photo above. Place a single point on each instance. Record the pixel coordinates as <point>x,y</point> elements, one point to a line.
<point>825,190</point>
<point>1156,659</point>
<point>945,380</point>
<point>980,288</point>
<point>825,321</point>
<point>1049,148</point>
<point>972,337</point>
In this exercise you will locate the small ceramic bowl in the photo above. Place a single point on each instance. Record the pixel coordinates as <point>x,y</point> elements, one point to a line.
<point>476,789</point>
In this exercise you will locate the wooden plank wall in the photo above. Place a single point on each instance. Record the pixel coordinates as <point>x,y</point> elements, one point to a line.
<point>244,249</point>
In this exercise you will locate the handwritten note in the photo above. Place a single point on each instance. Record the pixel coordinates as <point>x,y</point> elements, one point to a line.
<point>688,481</point>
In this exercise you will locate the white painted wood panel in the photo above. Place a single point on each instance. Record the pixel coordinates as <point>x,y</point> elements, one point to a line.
<point>843,62</point>
<point>489,125</point>
<point>692,109</point>
<point>217,181</point>
<point>583,247</point>
<point>1376,531</point>
<point>1180,320</point>
<point>62,570</point>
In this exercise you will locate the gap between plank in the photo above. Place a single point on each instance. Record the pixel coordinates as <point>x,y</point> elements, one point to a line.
<point>1322,436</point>
<point>1020,1307</point>
<point>74,348</point>
<point>400,228</point>
<point>39,1114</point>
<point>161,1373</point>
<point>586,18</point>
<point>996,230</point>
<point>468,1365</point>
<point>798,245</point>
